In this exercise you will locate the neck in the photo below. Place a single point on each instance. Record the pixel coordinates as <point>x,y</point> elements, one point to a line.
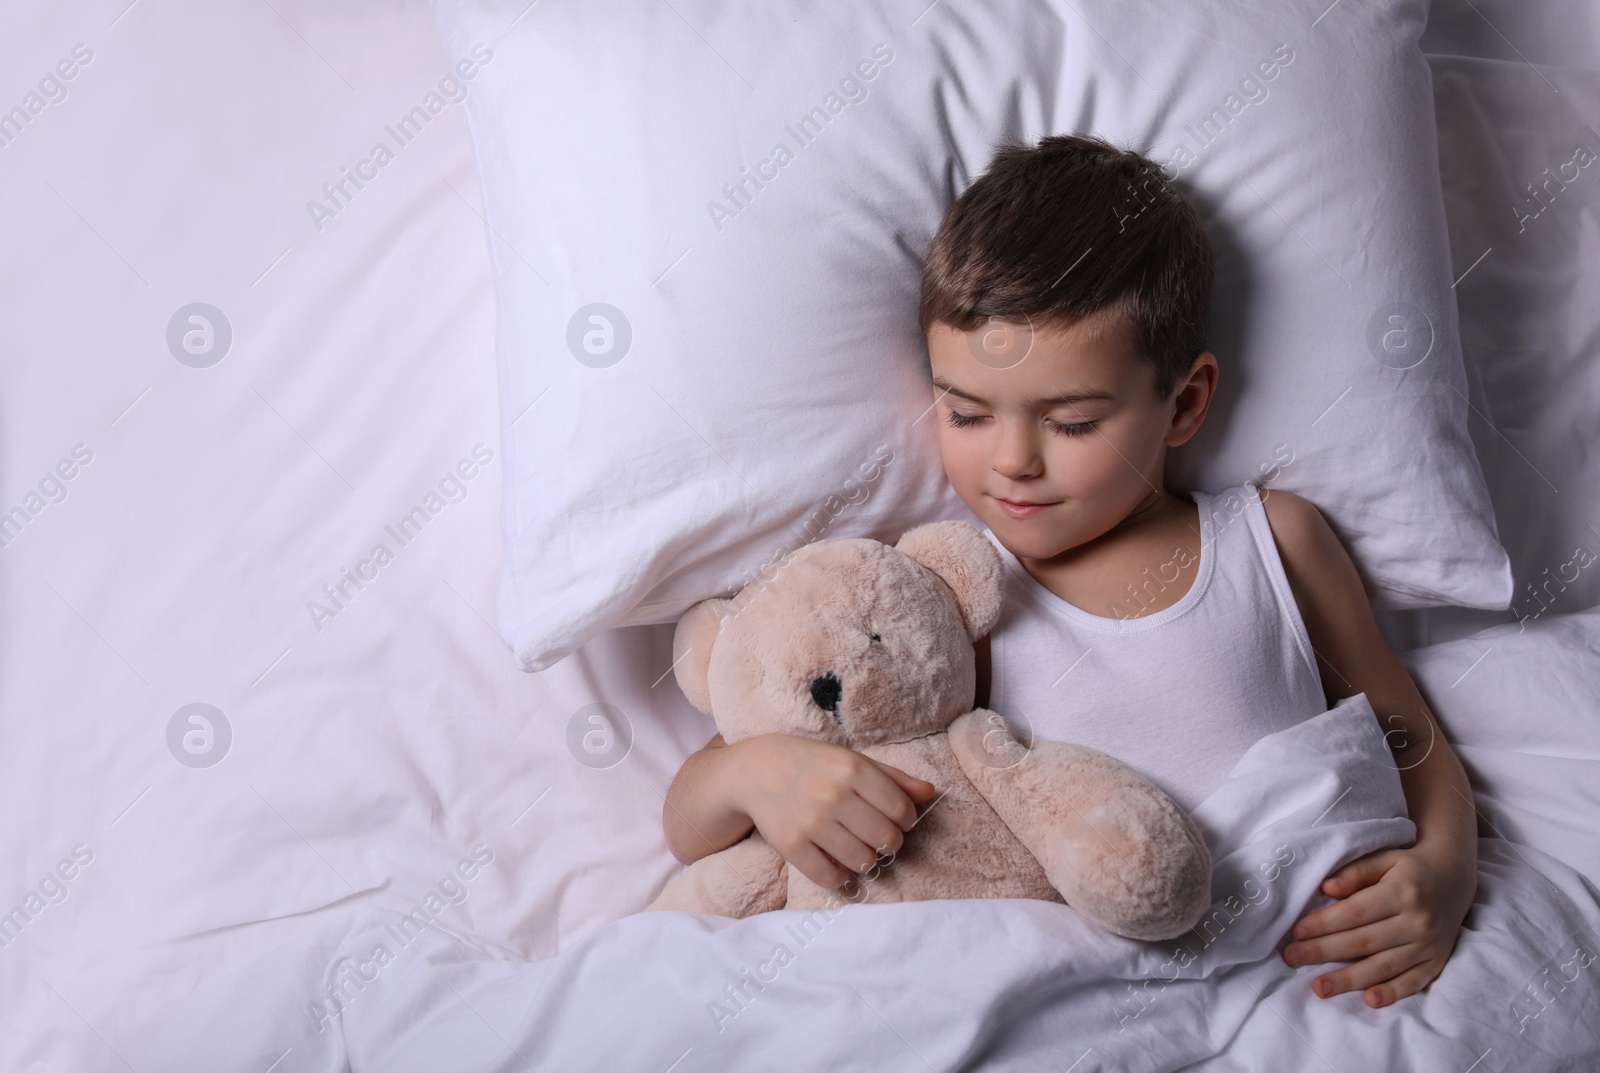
<point>1154,505</point>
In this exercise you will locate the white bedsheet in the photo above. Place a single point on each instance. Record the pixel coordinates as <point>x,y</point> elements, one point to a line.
<point>368,758</point>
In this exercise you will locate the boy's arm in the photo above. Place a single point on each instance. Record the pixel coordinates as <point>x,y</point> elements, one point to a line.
<point>705,828</point>
<point>821,806</point>
<point>1399,911</point>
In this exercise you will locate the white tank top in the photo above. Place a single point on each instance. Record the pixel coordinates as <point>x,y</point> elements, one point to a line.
<point>1180,694</point>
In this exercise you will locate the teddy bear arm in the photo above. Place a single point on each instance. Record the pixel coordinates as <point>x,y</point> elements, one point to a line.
<point>1116,847</point>
<point>747,878</point>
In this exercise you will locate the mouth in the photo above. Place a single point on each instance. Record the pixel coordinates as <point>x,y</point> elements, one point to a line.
<point>1019,508</point>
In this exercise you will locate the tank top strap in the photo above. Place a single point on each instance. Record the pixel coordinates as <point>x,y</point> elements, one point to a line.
<point>1266,550</point>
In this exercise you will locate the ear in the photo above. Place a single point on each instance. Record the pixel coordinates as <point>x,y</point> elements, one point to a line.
<point>966,561</point>
<point>1191,397</point>
<point>691,649</point>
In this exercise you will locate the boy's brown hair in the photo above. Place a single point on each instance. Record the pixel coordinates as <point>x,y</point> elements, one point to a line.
<point>1054,232</point>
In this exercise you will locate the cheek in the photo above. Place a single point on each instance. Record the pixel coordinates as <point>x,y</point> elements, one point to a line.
<point>1119,453</point>
<point>965,456</point>
<point>1084,467</point>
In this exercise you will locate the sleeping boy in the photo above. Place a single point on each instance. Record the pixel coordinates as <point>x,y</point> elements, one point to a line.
<point>1065,301</point>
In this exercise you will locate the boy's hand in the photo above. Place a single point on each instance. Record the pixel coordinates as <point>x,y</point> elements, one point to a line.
<point>823,806</point>
<point>1399,912</point>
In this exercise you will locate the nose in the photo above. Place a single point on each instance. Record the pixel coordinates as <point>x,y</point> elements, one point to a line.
<point>1016,456</point>
<point>825,690</point>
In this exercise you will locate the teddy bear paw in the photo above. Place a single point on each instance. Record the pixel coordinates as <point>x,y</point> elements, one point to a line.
<point>983,738</point>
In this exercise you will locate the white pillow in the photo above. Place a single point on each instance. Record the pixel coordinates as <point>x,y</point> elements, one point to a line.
<point>707,228</point>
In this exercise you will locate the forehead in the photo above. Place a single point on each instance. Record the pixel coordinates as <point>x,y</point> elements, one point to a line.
<point>1016,357</point>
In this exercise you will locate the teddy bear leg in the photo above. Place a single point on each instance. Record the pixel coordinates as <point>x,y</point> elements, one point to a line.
<point>747,878</point>
<point>1118,849</point>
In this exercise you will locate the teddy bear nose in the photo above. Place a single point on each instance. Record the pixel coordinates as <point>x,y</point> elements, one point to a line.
<point>825,691</point>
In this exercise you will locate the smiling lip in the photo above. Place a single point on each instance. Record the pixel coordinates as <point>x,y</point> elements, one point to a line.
<point>1019,509</point>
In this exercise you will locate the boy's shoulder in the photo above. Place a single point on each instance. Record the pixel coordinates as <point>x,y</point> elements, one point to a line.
<point>1302,534</point>
<point>1324,579</point>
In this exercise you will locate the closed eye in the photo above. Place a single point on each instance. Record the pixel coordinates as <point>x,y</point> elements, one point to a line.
<point>957,419</point>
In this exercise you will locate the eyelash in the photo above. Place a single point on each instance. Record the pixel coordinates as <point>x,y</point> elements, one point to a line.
<point>1081,428</point>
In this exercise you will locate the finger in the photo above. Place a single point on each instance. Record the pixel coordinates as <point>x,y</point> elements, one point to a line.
<point>1349,945</point>
<point>818,867</point>
<point>879,789</point>
<point>1380,968</point>
<point>1359,873</point>
<point>1407,983</point>
<point>846,848</point>
<point>1364,907</point>
<point>872,827</point>
<point>919,790</point>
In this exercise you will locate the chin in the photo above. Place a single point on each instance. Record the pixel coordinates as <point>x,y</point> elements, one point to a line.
<point>1027,540</point>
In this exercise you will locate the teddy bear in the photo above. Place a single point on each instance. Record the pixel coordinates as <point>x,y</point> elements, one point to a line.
<point>870,646</point>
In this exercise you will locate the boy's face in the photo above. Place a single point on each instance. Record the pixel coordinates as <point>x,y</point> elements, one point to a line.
<point>1057,448</point>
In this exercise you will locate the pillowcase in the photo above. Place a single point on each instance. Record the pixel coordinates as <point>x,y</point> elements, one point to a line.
<point>707,222</point>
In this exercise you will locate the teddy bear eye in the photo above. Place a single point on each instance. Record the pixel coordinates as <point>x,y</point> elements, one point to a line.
<point>874,636</point>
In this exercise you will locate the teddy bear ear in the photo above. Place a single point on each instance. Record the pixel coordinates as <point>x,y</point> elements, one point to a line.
<point>966,561</point>
<point>691,649</point>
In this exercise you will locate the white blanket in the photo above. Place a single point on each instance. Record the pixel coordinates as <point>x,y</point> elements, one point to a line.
<point>975,984</point>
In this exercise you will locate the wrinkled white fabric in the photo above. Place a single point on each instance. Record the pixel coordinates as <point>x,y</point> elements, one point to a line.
<point>1002,985</point>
